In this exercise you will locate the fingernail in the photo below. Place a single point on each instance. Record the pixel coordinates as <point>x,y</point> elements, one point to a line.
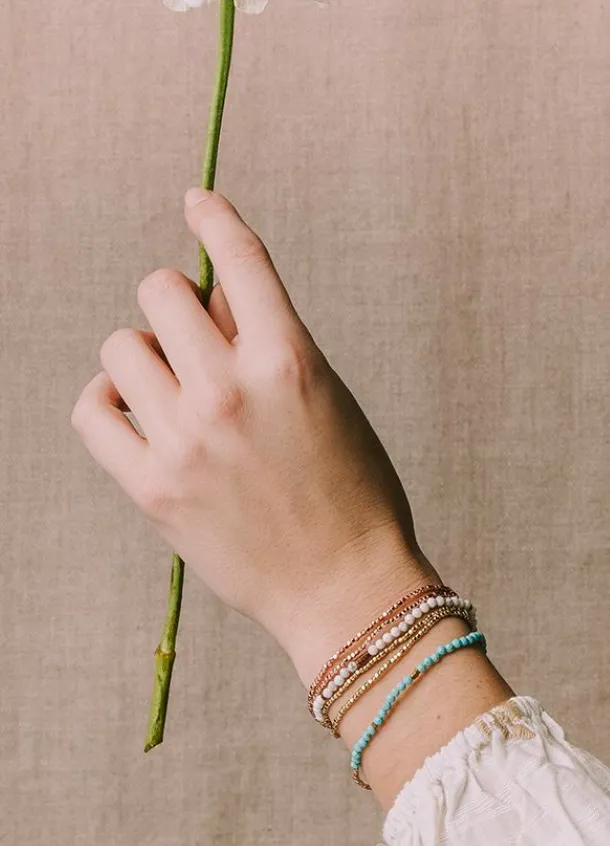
<point>196,195</point>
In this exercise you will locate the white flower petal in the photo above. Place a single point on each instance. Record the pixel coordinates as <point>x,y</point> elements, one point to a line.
<point>176,5</point>
<point>252,7</point>
<point>184,5</point>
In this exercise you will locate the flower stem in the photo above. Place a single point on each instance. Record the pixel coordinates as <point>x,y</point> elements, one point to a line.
<point>210,157</point>
<point>165,654</point>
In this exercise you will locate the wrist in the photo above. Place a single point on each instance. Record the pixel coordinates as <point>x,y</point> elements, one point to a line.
<point>368,578</point>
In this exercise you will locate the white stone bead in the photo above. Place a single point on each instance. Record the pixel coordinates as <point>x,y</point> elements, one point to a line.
<point>440,601</point>
<point>395,632</point>
<point>339,680</point>
<point>388,637</point>
<point>431,602</point>
<point>468,604</point>
<point>372,650</point>
<point>461,603</point>
<point>454,601</point>
<point>345,673</point>
<point>331,686</point>
<point>379,643</point>
<point>403,626</point>
<point>424,607</point>
<point>326,693</point>
<point>417,613</point>
<point>410,619</point>
<point>352,666</point>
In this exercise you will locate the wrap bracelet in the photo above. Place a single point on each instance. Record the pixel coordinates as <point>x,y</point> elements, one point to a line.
<point>339,655</point>
<point>352,652</point>
<point>369,653</point>
<point>473,639</point>
<point>427,624</point>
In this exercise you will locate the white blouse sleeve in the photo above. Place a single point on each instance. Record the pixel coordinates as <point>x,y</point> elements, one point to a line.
<point>510,778</point>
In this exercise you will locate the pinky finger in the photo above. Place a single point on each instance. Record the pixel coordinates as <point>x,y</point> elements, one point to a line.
<point>108,435</point>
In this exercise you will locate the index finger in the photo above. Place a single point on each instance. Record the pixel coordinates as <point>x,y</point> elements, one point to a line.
<point>256,295</point>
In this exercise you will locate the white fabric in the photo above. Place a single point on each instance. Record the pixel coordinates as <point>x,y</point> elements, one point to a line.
<point>510,778</point>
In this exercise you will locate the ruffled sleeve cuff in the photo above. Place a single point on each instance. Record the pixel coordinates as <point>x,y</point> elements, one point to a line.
<point>509,778</point>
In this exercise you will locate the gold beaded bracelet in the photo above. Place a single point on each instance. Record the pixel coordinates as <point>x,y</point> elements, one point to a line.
<point>360,655</point>
<point>339,655</point>
<point>426,625</point>
<point>415,633</point>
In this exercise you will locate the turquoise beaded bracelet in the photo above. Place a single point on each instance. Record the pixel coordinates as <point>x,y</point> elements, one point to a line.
<point>472,639</point>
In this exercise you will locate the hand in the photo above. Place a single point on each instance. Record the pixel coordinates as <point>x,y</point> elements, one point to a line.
<point>256,464</point>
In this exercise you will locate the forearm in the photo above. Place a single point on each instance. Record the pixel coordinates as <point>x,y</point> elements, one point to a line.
<point>446,700</point>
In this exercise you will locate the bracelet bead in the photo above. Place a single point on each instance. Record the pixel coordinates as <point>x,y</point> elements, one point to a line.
<point>404,646</point>
<point>326,686</point>
<point>415,595</point>
<point>473,639</point>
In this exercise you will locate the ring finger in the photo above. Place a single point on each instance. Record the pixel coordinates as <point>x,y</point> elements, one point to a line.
<point>145,382</point>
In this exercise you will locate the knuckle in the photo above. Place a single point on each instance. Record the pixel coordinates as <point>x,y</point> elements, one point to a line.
<point>119,339</point>
<point>292,365</point>
<point>159,283</point>
<point>151,497</point>
<point>248,250</point>
<point>223,404</point>
<point>182,452</point>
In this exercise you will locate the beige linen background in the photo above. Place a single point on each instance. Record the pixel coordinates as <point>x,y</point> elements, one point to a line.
<point>432,178</point>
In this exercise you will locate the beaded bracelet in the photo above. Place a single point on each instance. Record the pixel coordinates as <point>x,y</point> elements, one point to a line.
<point>368,655</point>
<point>407,640</point>
<point>426,625</point>
<point>380,633</point>
<point>403,606</point>
<point>472,639</point>
<point>410,597</point>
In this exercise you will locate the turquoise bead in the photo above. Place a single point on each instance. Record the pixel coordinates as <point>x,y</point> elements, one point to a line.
<point>391,698</point>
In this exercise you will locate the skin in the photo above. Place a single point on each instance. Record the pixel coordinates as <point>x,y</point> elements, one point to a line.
<point>258,466</point>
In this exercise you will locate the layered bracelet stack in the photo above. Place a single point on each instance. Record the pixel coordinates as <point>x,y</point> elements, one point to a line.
<point>374,651</point>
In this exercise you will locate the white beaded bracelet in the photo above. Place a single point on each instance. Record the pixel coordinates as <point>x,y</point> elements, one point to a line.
<point>398,630</point>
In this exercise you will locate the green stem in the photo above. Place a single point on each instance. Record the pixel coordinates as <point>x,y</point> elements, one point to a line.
<point>165,654</point>
<point>210,158</point>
